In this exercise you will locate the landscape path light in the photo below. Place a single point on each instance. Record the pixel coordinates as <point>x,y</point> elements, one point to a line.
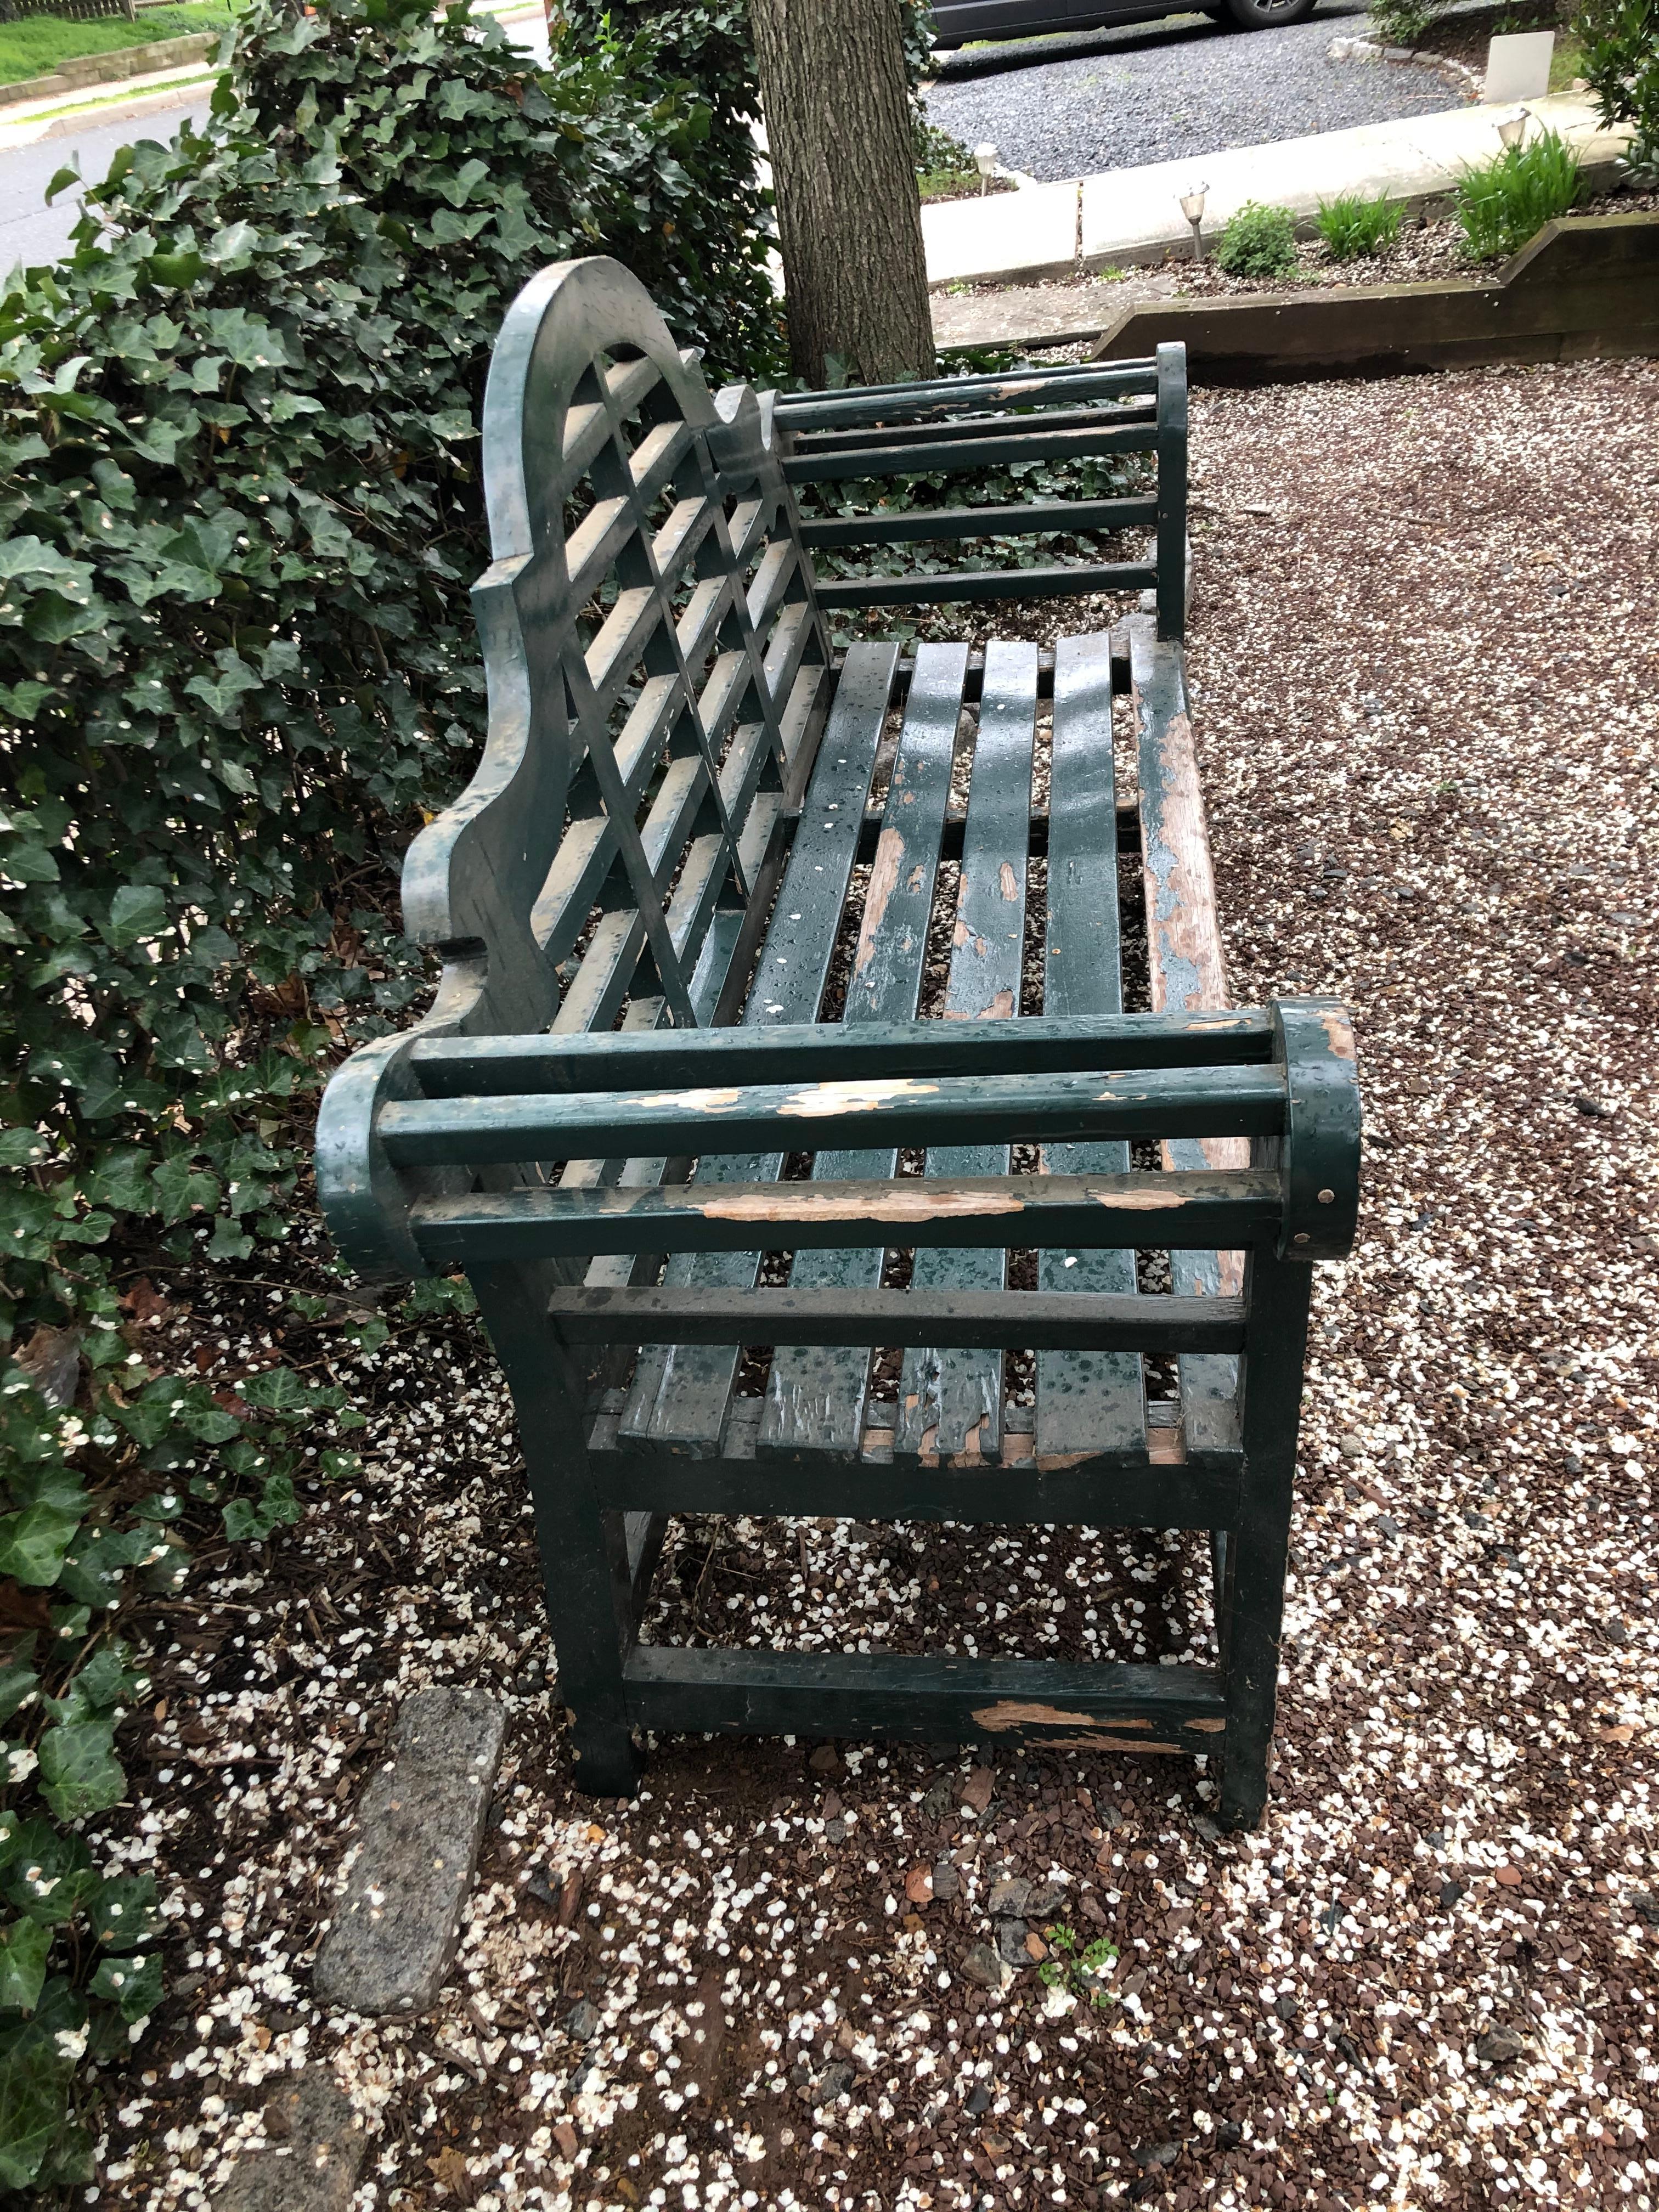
<point>985,161</point>
<point>1192,206</point>
<point>1513,129</point>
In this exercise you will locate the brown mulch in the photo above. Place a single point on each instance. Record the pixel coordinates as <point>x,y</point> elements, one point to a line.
<point>1425,668</point>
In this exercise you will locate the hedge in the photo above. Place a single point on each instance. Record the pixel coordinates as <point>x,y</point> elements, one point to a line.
<point>238,516</point>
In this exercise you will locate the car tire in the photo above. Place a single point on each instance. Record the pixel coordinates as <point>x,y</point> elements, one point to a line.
<point>1268,15</point>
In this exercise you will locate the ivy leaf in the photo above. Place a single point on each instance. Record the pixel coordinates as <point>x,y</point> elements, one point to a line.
<point>133,1984</point>
<point>34,2078</point>
<point>123,1914</point>
<point>32,1544</point>
<point>23,1950</point>
<point>278,1390</point>
<point>246,1522</point>
<point>183,1188</point>
<point>18,1686</point>
<point>49,1875</point>
<point>80,1773</point>
<point>136,911</point>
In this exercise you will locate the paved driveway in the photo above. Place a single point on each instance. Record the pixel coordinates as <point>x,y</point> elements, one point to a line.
<point>1164,91</point>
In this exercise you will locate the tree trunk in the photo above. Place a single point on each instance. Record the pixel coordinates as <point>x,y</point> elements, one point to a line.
<point>849,219</point>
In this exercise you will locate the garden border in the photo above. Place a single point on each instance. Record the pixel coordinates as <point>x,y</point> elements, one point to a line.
<point>1584,287</point>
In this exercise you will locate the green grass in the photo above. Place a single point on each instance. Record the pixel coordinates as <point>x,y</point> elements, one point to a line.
<point>1509,200</point>
<point>1352,226</point>
<point>34,46</point>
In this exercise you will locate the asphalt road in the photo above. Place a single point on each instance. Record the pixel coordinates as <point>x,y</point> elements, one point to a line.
<point>33,233</point>
<point>1186,86</point>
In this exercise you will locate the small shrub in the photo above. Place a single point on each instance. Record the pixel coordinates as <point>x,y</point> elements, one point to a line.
<point>1620,64</point>
<point>1509,200</point>
<point>1257,241</point>
<point>1403,22</point>
<point>1352,226</point>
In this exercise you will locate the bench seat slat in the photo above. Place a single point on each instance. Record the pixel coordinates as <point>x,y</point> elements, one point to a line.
<point>1187,970</point>
<point>816,1393</point>
<point>939,585</point>
<point>678,1400</point>
<point>1090,1399</point>
<point>950,1397</point>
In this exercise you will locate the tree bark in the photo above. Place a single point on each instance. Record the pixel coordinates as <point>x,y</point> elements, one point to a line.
<point>849,219</point>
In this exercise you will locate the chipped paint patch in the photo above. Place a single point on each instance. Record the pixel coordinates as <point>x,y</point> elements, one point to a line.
<point>854,1098</point>
<point>1007,881</point>
<point>1010,1713</point>
<point>691,1102</point>
<point>1337,1027</point>
<point>884,881</point>
<point>785,1205</point>
<point>1137,1201</point>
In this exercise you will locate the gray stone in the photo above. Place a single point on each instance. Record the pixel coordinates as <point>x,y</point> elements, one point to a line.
<point>836,2081</point>
<point>939,1798</point>
<point>313,2154</point>
<point>947,1881</point>
<point>1044,1901</point>
<point>1009,1898</point>
<point>1011,1942</point>
<point>421,1819</point>
<point>1501,2045</point>
<point>1154,2155</point>
<point>982,1966</point>
<point>582,2021</point>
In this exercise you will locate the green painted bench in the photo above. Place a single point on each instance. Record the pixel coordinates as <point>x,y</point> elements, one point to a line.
<point>695,832</point>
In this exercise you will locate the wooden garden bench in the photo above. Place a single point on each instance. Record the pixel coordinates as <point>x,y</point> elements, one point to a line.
<point>669,854</point>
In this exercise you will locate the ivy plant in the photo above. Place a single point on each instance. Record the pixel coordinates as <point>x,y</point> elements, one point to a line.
<point>240,512</point>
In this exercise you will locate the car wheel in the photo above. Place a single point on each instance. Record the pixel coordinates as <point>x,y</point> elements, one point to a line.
<point>1268,15</point>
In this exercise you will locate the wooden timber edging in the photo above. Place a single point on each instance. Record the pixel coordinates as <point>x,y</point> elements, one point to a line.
<point>1586,286</point>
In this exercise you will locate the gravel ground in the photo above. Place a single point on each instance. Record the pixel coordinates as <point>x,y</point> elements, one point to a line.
<point>1164,91</point>
<point>1425,694</point>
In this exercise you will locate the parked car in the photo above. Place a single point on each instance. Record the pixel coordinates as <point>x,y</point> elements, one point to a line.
<point>959,20</point>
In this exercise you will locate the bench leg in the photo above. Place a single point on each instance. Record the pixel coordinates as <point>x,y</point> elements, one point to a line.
<point>584,1549</point>
<point>1255,1554</point>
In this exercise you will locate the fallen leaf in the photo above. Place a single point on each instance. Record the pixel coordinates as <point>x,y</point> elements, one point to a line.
<point>144,1303</point>
<point>1623,1734</point>
<point>596,1834</point>
<point>449,2169</point>
<point>918,1885</point>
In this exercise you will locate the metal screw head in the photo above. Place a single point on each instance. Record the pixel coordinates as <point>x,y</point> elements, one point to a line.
<point>1327,1197</point>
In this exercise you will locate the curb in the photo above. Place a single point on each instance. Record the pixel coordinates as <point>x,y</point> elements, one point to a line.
<point>166,98</point>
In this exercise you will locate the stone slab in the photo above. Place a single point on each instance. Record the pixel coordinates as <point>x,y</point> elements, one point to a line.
<point>1029,233</point>
<point>1133,215</point>
<point>1518,66</point>
<point>421,1819</point>
<point>313,2154</point>
<point>1024,315</point>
